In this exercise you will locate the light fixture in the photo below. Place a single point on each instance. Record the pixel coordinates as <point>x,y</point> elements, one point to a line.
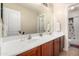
<point>72,8</point>
<point>45,4</point>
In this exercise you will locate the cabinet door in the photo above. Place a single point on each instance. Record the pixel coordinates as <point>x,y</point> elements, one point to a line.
<point>38,51</point>
<point>63,38</point>
<point>56,47</point>
<point>32,52</point>
<point>61,43</point>
<point>47,49</point>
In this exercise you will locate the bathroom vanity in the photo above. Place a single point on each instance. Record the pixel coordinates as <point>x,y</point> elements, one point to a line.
<point>51,48</point>
<point>46,45</point>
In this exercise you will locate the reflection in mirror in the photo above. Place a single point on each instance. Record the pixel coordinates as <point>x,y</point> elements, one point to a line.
<point>26,18</point>
<point>1,18</point>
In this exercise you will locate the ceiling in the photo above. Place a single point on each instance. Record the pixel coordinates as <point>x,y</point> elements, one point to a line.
<point>74,7</point>
<point>34,6</point>
<point>38,7</point>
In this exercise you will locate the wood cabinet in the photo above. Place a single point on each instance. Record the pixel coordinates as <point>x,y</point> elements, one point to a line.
<point>61,43</point>
<point>47,49</point>
<point>51,48</point>
<point>56,47</point>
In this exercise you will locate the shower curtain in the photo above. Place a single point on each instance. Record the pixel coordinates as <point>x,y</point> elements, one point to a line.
<point>74,30</point>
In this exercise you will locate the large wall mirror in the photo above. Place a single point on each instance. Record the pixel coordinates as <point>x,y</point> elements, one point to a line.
<point>25,18</point>
<point>1,16</point>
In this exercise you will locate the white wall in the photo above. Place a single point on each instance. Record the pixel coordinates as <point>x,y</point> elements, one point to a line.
<point>73,13</point>
<point>60,15</point>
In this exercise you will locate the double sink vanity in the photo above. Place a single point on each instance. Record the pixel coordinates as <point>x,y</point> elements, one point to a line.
<point>51,48</point>
<point>46,45</point>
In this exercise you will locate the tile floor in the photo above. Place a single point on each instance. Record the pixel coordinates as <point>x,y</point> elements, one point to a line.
<point>73,51</point>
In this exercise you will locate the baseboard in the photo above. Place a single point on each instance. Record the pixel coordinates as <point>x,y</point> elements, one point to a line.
<point>74,45</point>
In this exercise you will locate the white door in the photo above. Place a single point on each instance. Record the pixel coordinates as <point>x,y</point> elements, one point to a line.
<point>11,21</point>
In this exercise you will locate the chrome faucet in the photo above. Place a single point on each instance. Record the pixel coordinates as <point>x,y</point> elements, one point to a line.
<point>41,34</point>
<point>29,36</point>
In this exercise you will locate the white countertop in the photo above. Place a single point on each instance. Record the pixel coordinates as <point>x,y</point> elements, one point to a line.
<point>17,46</point>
